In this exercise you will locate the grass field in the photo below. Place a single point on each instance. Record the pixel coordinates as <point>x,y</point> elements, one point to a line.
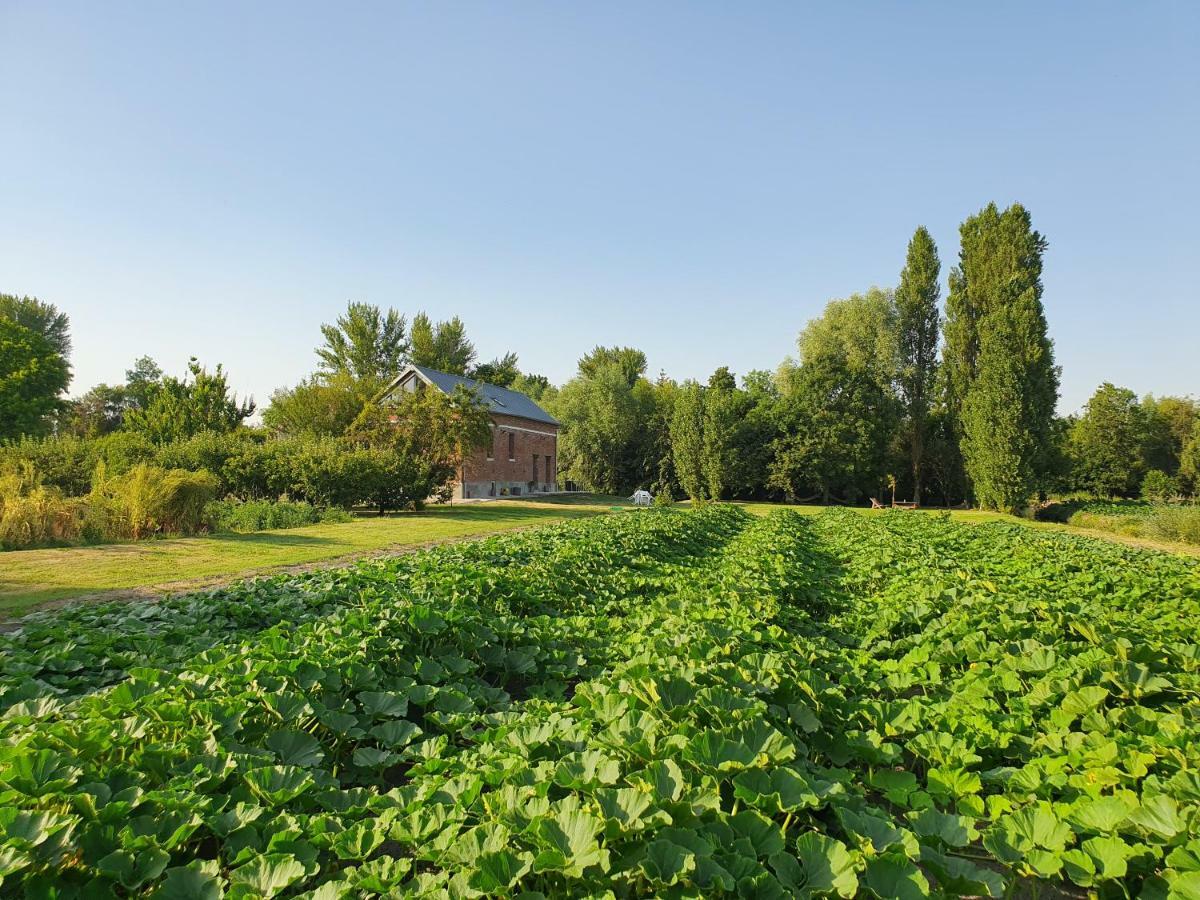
<point>691,704</point>
<point>29,578</point>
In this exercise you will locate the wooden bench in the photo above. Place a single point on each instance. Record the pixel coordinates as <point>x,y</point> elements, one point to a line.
<point>903,504</point>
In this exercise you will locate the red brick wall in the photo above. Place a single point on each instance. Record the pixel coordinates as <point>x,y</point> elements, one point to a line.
<point>529,437</point>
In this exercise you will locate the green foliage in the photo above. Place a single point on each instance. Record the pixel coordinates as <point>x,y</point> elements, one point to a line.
<point>324,406</point>
<point>1189,460</point>
<point>42,319</point>
<point>262,515</point>
<point>720,402</point>
<point>34,515</point>
<point>149,500</point>
<point>179,408</point>
<point>793,706</point>
<point>605,444</point>
<point>443,346</point>
<point>631,362</point>
<point>838,407</point>
<point>364,343</point>
<point>99,412</point>
<point>502,371</point>
<point>145,501</point>
<point>1174,523</point>
<point>858,335</point>
<point>917,320</point>
<point>411,449</point>
<point>1002,384</point>
<point>1149,519</point>
<point>141,380</point>
<point>33,375</point>
<point>1158,486</point>
<point>532,386</point>
<point>687,440</point>
<point>1106,443</point>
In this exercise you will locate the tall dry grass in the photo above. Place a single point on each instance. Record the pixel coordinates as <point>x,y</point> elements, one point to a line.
<point>145,501</point>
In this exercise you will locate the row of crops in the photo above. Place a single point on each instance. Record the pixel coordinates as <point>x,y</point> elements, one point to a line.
<point>651,704</point>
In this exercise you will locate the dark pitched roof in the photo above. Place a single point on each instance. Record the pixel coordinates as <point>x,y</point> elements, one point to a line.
<point>500,400</point>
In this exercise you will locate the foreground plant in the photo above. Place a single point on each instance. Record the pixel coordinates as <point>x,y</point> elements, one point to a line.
<point>651,704</point>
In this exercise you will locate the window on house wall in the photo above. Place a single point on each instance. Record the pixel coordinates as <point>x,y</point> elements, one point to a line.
<point>535,462</point>
<point>549,469</point>
<point>491,450</point>
<point>512,447</point>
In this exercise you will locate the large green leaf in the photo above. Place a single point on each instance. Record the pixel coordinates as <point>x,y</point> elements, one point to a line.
<point>195,881</point>
<point>295,748</point>
<point>265,876</point>
<point>895,876</point>
<point>821,865</point>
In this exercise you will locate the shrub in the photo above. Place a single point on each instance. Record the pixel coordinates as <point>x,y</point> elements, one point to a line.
<point>1158,485</point>
<point>64,464</point>
<point>1174,523</point>
<point>67,463</point>
<point>263,515</point>
<point>238,459</point>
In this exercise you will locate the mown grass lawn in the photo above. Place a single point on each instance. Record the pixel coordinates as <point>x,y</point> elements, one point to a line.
<point>29,578</point>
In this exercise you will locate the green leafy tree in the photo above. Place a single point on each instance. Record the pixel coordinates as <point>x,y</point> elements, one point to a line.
<point>721,414</point>
<point>364,342</point>
<point>1001,378</point>
<point>1189,461</point>
<point>501,371</point>
<point>1168,425</point>
<point>660,456</point>
<point>179,408</point>
<point>415,445</point>
<point>687,440</point>
<point>443,346</point>
<point>917,337</point>
<point>857,334</point>
<point>142,380</point>
<point>839,407</point>
<point>757,426</point>
<point>321,406</point>
<point>98,412</point>
<point>1158,486</point>
<point>33,376</point>
<point>835,422</point>
<point>1106,443</point>
<point>630,361</point>
<point>532,386</point>
<point>601,441</point>
<point>41,318</point>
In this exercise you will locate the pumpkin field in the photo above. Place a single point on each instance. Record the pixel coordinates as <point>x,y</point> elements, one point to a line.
<point>654,703</point>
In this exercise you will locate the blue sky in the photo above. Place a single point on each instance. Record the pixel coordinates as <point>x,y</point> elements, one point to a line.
<point>695,179</point>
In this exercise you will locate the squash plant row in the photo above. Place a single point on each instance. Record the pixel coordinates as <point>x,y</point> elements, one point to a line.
<point>60,654</point>
<point>659,704</point>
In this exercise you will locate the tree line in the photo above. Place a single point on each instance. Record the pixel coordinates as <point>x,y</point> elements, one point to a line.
<point>889,394</point>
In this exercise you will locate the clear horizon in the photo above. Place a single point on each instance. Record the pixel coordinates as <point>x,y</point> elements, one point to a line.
<point>689,179</point>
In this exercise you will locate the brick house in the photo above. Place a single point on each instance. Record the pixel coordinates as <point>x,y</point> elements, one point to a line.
<point>524,450</point>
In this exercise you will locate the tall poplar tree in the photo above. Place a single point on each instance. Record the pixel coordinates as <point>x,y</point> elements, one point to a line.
<point>917,324</point>
<point>687,440</point>
<point>1001,378</point>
